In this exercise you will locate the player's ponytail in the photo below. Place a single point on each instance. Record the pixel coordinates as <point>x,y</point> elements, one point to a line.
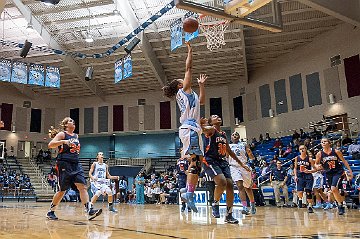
<point>171,89</point>
<point>62,126</point>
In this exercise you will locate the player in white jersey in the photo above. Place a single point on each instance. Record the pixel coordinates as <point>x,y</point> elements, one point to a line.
<point>100,181</point>
<point>190,131</point>
<point>240,175</point>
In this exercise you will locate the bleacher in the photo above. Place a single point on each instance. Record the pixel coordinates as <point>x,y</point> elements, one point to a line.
<point>13,186</point>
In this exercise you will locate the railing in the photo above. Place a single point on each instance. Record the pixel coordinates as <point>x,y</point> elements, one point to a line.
<point>133,161</point>
<point>40,175</point>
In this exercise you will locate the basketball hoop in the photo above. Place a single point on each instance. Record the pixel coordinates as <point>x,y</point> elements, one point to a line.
<point>214,32</point>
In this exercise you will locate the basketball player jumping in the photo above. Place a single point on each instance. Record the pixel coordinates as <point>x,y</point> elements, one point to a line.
<point>330,160</point>
<point>216,166</point>
<point>190,130</point>
<point>100,181</point>
<point>242,177</point>
<point>68,167</point>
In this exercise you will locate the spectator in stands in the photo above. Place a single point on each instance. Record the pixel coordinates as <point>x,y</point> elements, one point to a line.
<point>278,178</point>
<point>338,147</point>
<point>261,139</point>
<point>277,143</point>
<point>273,162</point>
<point>346,140</point>
<point>70,196</point>
<point>253,141</point>
<point>295,135</point>
<point>265,169</point>
<point>303,135</point>
<point>52,180</point>
<point>131,195</point>
<point>122,189</point>
<point>288,151</point>
<point>267,137</point>
<point>156,191</point>
<point>39,157</point>
<point>140,181</point>
<point>307,143</point>
<point>281,151</point>
<point>354,149</point>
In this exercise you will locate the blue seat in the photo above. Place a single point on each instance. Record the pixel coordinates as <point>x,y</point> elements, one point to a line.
<point>349,157</point>
<point>355,168</point>
<point>354,162</point>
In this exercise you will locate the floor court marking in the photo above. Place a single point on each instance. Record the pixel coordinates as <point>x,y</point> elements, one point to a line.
<point>79,223</point>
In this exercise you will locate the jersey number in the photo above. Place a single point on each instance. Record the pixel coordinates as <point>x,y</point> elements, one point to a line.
<point>74,148</point>
<point>331,164</point>
<point>222,149</point>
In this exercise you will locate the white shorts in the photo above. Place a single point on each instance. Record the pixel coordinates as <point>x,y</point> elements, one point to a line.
<point>190,136</point>
<point>318,182</point>
<point>240,174</point>
<point>103,187</point>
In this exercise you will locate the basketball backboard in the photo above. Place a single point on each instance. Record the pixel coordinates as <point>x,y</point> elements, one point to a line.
<point>235,10</point>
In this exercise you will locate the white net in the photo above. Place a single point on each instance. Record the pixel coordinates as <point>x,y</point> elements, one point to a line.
<point>214,33</point>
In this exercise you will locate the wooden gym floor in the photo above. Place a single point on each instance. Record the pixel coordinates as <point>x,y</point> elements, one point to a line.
<point>27,220</point>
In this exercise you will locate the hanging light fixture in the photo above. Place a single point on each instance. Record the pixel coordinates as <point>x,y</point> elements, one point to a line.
<point>88,37</point>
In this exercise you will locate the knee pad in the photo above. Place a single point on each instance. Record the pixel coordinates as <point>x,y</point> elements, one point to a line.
<point>98,193</point>
<point>308,194</point>
<point>195,169</point>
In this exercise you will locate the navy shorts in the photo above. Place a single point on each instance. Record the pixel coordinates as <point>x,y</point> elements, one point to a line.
<point>214,167</point>
<point>334,179</point>
<point>69,173</point>
<point>182,181</point>
<point>305,182</point>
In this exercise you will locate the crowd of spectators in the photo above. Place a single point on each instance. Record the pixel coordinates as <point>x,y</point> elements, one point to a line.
<point>12,183</point>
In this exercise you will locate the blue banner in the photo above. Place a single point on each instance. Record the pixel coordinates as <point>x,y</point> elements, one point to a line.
<point>190,36</point>
<point>36,74</point>
<point>19,73</point>
<point>118,70</point>
<point>176,30</point>
<point>5,70</point>
<point>52,78</point>
<point>127,66</point>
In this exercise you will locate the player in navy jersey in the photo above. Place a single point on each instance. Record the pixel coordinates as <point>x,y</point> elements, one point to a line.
<point>182,166</point>
<point>217,167</point>
<point>190,130</point>
<point>330,160</point>
<point>303,169</point>
<point>68,167</point>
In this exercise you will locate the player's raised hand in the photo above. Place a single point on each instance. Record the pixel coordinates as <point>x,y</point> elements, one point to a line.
<point>202,78</point>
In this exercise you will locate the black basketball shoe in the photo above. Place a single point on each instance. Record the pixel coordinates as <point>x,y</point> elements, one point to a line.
<point>216,211</point>
<point>51,215</point>
<point>94,213</point>
<point>230,219</point>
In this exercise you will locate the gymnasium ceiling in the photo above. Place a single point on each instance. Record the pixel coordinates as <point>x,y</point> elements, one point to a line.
<point>153,65</point>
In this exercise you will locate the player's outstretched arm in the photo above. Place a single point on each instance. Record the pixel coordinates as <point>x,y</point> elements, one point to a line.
<point>188,70</point>
<point>201,81</point>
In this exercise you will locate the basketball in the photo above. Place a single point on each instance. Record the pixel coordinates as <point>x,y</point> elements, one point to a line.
<point>190,25</point>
